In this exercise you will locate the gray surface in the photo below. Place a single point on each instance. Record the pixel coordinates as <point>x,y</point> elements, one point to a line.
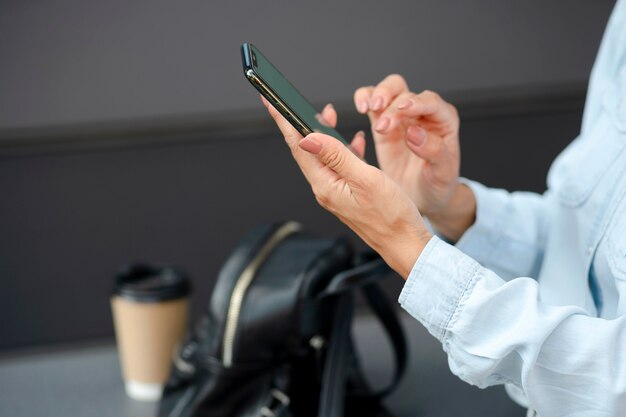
<point>71,61</point>
<point>86,382</point>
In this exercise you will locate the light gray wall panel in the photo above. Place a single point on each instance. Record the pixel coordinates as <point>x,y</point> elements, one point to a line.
<point>70,61</point>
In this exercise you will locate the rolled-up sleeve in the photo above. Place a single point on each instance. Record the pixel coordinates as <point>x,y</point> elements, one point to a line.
<point>446,275</point>
<point>496,331</point>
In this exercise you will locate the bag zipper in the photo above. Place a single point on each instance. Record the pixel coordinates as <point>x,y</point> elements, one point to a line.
<point>243,282</point>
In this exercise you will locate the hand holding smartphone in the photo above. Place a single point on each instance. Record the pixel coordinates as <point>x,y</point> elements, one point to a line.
<point>273,85</point>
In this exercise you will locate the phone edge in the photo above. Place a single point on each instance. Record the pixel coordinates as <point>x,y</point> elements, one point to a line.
<point>275,99</point>
<point>262,87</point>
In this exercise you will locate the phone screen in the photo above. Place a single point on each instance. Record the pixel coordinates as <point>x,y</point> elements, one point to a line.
<point>285,92</point>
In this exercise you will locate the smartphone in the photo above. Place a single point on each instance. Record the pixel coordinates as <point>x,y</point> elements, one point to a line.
<point>282,94</point>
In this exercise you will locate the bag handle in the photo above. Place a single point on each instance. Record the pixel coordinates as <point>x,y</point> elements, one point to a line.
<point>359,276</point>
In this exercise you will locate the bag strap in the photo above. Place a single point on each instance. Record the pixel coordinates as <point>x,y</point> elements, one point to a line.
<point>389,319</point>
<point>365,275</point>
<point>332,398</point>
<point>333,390</point>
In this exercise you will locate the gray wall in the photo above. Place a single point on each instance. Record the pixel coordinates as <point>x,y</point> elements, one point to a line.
<point>142,140</point>
<point>70,61</point>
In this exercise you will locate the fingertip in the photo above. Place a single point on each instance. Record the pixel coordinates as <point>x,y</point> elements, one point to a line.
<point>329,116</point>
<point>362,97</point>
<point>422,145</point>
<point>417,150</point>
<point>310,144</point>
<point>329,109</point>
<point>383,124</point>
<point>358,144</point>
<point>318,137</point>
<point>405,104</point>
<point>376,103</point>
<point>416,135</point>
<point>326,141</point>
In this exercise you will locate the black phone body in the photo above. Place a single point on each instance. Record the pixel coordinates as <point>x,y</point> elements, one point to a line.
<point>286,98</point>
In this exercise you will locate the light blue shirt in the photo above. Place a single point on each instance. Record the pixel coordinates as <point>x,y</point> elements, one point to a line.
<point>534,293</point>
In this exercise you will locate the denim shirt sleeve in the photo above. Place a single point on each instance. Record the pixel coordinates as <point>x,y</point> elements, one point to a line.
<point>459,271</point>
<point>509,233</point>
<point>479,297</point>
<point>494,332</point>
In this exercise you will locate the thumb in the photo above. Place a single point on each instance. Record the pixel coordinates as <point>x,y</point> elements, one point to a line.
<point>423,145</point>
<point>332,153</point>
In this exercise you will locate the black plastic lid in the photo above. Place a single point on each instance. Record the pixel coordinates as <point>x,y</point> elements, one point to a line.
<point>148,283</point>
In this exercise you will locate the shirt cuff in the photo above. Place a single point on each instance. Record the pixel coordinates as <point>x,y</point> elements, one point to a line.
<point>440,280</point>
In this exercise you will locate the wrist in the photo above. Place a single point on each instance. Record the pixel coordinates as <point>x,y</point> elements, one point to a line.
<point>458,215</point>
<point>402,252</point>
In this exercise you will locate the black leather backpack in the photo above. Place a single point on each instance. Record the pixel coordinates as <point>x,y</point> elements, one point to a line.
<point>275,340</point>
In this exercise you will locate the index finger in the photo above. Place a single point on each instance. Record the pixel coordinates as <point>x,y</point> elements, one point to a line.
<point>386,91</point>
<point>411,106</point>
<point>362,98</point>
<point>291,134</point>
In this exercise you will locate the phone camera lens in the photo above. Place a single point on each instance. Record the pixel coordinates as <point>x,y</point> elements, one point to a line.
<point>253,59</point>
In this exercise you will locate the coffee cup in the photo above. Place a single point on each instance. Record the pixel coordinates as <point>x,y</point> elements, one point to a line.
<point>150,307</point>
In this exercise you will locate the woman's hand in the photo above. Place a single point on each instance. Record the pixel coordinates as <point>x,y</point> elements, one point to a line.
<point>360,195</point>
<point>417,145</point>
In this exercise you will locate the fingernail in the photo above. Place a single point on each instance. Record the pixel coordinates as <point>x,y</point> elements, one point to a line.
<point>320,118</point>
<point>311,145</point>
<point>405,105</point>
<point>377,103</point>
<point>416,135</point>
<point>382,124</point>
<point>362,107</point>
<point>360,133</point>
<point>329,106</point>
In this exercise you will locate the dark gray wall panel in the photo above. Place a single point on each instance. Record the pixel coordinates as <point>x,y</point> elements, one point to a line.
<point>69,220</point>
